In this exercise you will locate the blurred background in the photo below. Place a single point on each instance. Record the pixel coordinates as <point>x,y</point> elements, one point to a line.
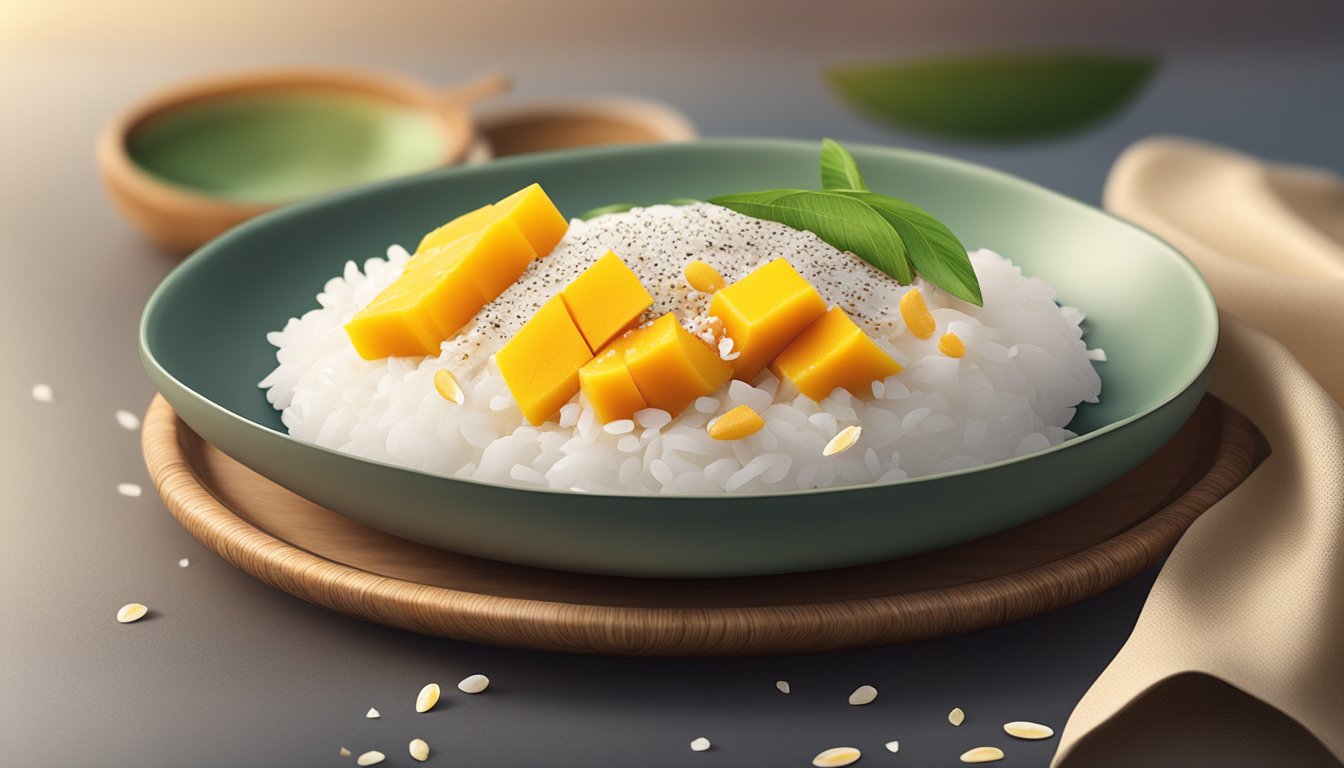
<point>1261,76</point>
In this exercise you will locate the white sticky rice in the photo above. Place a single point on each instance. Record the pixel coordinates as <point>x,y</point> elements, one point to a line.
<point>1025,370</point>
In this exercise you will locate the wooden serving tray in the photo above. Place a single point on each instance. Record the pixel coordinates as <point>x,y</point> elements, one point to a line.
<point>326,559</point>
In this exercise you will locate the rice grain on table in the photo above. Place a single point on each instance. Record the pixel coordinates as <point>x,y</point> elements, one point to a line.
<point>1024,370</point>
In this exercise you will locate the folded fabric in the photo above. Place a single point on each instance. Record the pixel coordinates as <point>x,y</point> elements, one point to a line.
<point>1238,656</point>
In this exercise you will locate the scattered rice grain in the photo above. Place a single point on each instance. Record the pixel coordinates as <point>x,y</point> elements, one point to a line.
<point>1025,729</point>
<point>419,750</point>
<point>427,698</point>
<point>129,489</point>
<point>473,684</point>
<point>700,745</point>
<point>43,393</point>
<point>372,757</point>
<point>131,612</point>
<point>956,716</point>
<point>982,755</point>
<point>836,757</point>
<point>128,420</point>
<point>843,441</point>
<point>864,694</point>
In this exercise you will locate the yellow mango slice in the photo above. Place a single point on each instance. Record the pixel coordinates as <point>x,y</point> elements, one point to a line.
<point>608,385</point>
<point>439,291</point>
<point>763,312</point>
<point>670,366</point>
<point>534,213</point>
<point>541,363</point>
<point>833,352</point>
<point>457,229</point>
<point>395,327</point>
<point>493,258</point>
<point>529,208</point>
<point>605,300</point>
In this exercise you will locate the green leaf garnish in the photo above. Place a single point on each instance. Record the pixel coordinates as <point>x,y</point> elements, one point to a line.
<point>894,236</point>
<point>937,254</point>
<point>995,97</point>
<point>838,169</point>
<point>844,222</point>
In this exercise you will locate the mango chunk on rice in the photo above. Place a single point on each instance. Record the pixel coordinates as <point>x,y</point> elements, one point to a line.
<point>763,312</point>
<point>833,352</point>
<point>530,208</point>
<point>605,300</point>
<point>439,291</point>
<point>541,363</point>
<point>610,388</point>
<point>670,366</point>
<point>457,269</point>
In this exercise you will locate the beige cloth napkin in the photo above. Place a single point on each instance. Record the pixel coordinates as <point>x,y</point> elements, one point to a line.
<point>1238,656</point>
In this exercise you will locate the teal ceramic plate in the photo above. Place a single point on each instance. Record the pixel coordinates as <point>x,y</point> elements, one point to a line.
<point>203,344</point>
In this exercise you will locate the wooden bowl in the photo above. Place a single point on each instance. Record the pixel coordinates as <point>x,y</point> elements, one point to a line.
<point>179,219</point>
<point>579,121</point>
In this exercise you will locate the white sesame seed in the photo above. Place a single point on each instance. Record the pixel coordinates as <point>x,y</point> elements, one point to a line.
<point>956,716</point>
<point>419,750</point>
<point>893,746</point>
<point>427,698</point>
<point>42,393</point>
<point>836,757</point>
<point>372,757</point>
<point>183,563</point>
<point>864,694</point>
<point>131,612</point>
<point>700,745</point>
<point>128,420</point>
<point>129,489</point>
<point>473,684</point>
<point>782,685</point>
<point>372,714</point>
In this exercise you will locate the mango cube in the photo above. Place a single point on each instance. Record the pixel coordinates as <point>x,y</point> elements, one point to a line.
<point>457,229</point>
<point>530,209</point>
<point>439,291</point>
<point>393,326</point>
<point>493,258</point>
<point>609,387</point>
<point>763,312</point>
<point>671,367</point>
<point>833,352</point>
<point>605,300</point>
<point>541,363</point>
<point>534,213</point>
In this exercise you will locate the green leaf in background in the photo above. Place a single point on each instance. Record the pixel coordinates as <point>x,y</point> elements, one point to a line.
<point>603,210</point>
<point>838,169</point>
<point>937,254</point>
<point>995,97</point>
<point>843,222</point>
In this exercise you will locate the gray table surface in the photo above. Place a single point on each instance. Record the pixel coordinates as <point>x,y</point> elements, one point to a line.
<point>227,671</point>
